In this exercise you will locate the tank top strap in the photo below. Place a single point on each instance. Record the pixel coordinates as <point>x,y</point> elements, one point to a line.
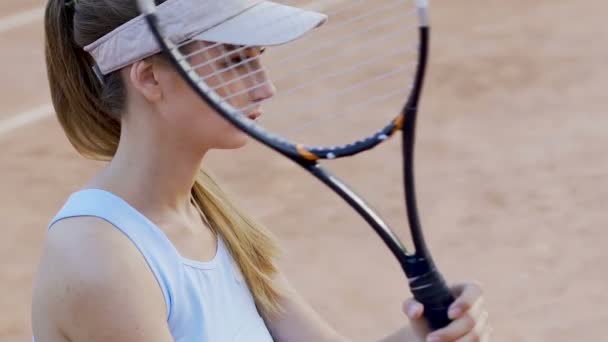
<point>158,252</point>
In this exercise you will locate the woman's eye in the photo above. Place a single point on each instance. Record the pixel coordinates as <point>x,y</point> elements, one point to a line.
<point>236,60</point>
<point>232,62</point>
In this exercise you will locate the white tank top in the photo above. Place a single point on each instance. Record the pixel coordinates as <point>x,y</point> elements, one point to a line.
<point>206,301</point>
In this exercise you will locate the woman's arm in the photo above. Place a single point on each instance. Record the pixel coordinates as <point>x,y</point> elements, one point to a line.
<point>300,323</point>
<point>93,285</point>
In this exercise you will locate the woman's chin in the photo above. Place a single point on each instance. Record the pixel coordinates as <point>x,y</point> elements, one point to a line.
<point>234,142</point>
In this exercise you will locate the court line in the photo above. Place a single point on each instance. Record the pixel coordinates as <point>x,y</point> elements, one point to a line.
<point>26,118</point>
<point>21,18</point>
<point>35,114</point>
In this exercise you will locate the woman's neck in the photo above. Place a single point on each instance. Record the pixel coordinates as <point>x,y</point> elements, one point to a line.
<point>154,175</point>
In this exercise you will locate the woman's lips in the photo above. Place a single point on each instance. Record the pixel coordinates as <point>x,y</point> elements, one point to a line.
<point>254,115</point>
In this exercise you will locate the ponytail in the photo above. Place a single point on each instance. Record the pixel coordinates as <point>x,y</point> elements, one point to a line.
<point>250,244</point>
<point>89,112</point>
<point>77,95</point>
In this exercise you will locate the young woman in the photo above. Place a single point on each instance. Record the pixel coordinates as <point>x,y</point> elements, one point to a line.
<point>110,269</point>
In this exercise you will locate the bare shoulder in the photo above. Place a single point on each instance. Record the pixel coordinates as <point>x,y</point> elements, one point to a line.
<point>94,285</point>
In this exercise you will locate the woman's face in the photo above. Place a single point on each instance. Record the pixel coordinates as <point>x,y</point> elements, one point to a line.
<point>236,75</point>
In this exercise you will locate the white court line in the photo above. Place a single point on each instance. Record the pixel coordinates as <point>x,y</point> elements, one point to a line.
<point>20,19</point>
<point>35,114</point>
<point>26,118</point>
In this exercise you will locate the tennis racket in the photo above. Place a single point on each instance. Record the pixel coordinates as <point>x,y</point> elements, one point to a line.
<point>341,89</point>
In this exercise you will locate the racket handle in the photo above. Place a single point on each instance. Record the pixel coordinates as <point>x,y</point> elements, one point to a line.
<point>431,290</point>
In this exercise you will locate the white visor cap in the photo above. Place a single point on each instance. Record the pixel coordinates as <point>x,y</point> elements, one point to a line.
<point>235,22</point>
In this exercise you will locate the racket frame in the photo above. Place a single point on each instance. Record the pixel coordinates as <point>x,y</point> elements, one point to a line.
<point>426,283</point>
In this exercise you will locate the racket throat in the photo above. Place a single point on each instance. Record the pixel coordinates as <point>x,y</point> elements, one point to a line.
<point>416,266</point>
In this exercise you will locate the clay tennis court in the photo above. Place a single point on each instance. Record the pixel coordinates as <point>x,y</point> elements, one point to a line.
<point>512,171</point>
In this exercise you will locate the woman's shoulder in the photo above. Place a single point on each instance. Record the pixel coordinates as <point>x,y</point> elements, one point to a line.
<point>87,242</point>
<point>90,253</point>
<point>93,252</point>
<point>88,271</point>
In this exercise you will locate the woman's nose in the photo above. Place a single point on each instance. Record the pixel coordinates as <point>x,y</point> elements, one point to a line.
<point>263,88</point>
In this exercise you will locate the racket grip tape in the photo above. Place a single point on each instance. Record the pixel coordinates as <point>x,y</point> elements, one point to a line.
<point>431,290</point>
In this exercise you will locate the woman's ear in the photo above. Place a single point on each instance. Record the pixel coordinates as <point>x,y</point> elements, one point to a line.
<point>145,80</point>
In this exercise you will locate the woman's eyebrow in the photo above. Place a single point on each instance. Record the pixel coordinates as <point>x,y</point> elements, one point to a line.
<point>242,49</point>
<point>231,47</point>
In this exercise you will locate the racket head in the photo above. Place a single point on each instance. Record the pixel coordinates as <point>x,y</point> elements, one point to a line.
<point>370,67</point>
<point>426,283</point>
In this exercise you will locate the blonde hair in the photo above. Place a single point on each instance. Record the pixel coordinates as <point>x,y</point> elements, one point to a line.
<point>89,112</point>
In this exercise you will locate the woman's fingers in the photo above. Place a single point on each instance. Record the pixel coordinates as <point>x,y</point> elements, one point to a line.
<point>413,309</point>
<point>455,330</point>
<point>469,318</point>
<point>470,324</point>
<point>482,331</point>
<point>468,295</point>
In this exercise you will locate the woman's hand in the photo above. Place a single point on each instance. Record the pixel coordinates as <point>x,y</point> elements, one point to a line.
<point>469,317</point>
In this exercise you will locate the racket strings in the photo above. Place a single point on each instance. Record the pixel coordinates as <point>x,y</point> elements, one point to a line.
<point>358,65</point>
<point>312,81</point>
<point>310,7</point>
<point>235,76</point>
<point>254,73</point>
<point>319,101</point>
<point>245,61</point>
<point>319,62</point>
<point>354,87</point>
<point>316,63</point>
<point>299,129</point>
<point>252,25</point>
<point>352,34</point>
<point>349,69</point>
<point>235,79</point>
